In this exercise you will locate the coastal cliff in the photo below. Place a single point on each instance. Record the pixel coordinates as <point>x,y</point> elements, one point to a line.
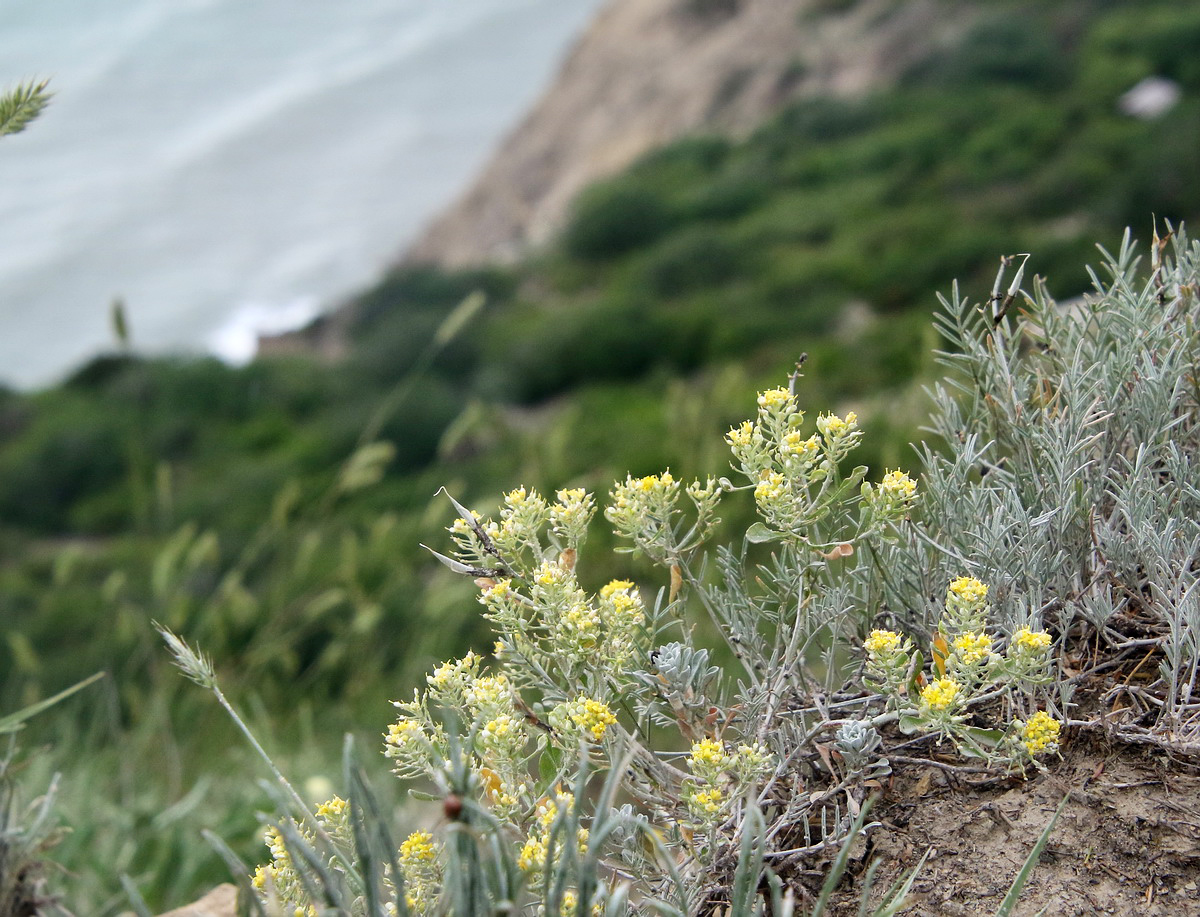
<point>649,71</point>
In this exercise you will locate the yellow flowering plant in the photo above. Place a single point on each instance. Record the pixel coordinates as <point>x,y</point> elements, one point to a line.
<point>966,672</point>
<point>733,768</point>
<point>609,672</point>
<point>586,678</point>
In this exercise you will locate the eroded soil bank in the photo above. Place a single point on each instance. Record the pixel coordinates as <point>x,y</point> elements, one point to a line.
<point>1127,842</point>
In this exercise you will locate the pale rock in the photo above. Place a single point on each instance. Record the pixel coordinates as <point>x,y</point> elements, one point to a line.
<point>647,72</point>
<point>1152,98</point>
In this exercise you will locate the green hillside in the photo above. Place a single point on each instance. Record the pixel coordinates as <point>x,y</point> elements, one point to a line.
<point>248,510</point>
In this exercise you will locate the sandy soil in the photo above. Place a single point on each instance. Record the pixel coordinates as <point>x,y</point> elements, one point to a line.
<point>1127,842</point>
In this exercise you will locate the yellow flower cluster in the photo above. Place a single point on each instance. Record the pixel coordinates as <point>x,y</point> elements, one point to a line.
<point>622,586</point>
<point>968,590</point>
<point>973,648</point>
<point>505,795</point>
<point>502,601</point>
<point>571,514</point>
<point>455,674</point>
<point>888,657</point>
<point>547,809</point>
<point>465,534</point>
<point>634,492</point>
<point>713,767</point>
<point>623,615</point>
<point>882,642</point>
<point>706,802</point>
<point>753,757</point>
<point>549,575</point>
<point>832,426</point>
<point>595,718</point>
<point>532,857</point>
<point>570,905</point>
<point>412,741</point>
<point>708,753</point>
<point>402,732</point>
<point>517,498</point>
<point>898,485</point>
<point>274,841</point>
<point>653,482</point>
<point>774,398</point>
<point>627,606</point>
<point>966,607</point>
<point>795,444</point>
<point>890,499</point>
<point>749,762</point>
<point>708,760</point>
<point>499,729</point>
<point>1032,640</point>
<point>499,589</point>
<point>771,489</point>
<point>646,511</point>
<point>417,848</point>
<point>333,809</point>
<point>741,435</point>
<point>1040,733</point>
<point>940,694</point>
<point>579,628</point>
<point>278,877</point>
<point>460,526</point>
<point>571,498</point>
<point>489,693</point>
<point>589,717</point>
<point>419,867</point>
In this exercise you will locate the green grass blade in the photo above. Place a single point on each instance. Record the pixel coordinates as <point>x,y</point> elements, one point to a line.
<point>750,863</point>
<point>842,861</point>
<point>248,900</point>
<point>898,896</point>
<point>136,901</point>
<point>1014,892</point>
<point>864,900</point>
<point>15,721</point>
<point>366,828</point>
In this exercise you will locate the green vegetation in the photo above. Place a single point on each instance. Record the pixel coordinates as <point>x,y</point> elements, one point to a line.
<point>254,511</point>
<point>21,105</point>
<point>1066,483</point>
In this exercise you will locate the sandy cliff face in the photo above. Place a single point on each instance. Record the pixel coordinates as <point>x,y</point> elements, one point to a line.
<point>649,71</point>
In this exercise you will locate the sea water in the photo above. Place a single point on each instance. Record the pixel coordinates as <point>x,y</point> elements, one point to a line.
<point>226,167</point>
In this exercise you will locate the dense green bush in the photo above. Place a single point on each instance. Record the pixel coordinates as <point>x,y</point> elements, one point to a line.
<point>998,49</point>
<point>694,259</point>
<point>616,218</point>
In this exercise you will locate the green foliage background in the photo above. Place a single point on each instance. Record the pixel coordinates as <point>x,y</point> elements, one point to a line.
<point>215,500</point>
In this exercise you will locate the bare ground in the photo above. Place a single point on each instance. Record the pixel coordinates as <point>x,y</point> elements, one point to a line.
<point>1127,842</point>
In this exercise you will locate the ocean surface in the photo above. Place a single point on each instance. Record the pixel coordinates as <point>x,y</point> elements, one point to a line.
<point>232,166</point>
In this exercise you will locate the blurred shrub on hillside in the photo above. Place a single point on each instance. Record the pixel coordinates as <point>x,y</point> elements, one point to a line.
<point>615,218</point>
<point>999,49</point>
<point>1139,41</point>
<point>692,259</point>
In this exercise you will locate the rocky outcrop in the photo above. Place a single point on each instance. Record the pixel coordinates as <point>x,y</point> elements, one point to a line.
<point>649,71</point>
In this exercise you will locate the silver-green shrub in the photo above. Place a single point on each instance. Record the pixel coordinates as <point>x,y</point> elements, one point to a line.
<point>1053,536</point>
<point>1066,477</point>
